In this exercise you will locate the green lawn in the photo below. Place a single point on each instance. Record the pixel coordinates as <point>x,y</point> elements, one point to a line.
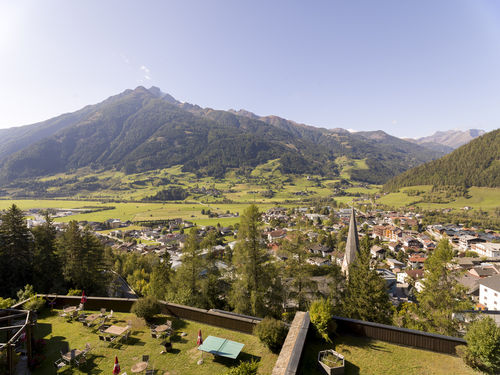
<point>181,360</point>
<point>371,357</point>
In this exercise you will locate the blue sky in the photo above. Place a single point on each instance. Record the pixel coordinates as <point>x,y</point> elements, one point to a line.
<point>407,67</point>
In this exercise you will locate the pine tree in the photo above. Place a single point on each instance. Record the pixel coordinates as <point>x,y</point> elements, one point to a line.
<point>257,288</point>
<point>187,284</point>
<point>47,274</point>
<point>297,270</point>
<point>442,295</point>
<point>16,252</point>
<point>82,259</point>
<point>161,278</point>
<point>366,296</point>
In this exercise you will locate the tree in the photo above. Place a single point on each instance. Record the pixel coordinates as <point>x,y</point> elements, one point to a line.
<point>47,274</point>
<point>257,287</point>
<point>321,313</point>
<point>483,345</point>
<point>188,277</point>
<point>16,252</point>
<point>297,270</point>
<point>161,277</point>
<point>82,259</point>
<point>441,296</point>
<point>366,296</point>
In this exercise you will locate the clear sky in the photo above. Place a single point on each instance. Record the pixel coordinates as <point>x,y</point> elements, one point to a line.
<point>407,67</point>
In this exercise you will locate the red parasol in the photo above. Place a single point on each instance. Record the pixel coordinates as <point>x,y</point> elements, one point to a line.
<point>84,297</point>
<point>200,340</point>
<point>116,368</point>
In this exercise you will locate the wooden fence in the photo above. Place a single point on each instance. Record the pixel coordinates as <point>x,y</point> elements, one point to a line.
<point>216,318</point>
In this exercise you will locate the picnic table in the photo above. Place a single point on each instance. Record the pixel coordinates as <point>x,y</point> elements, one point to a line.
<point>139,367</point>
<point>70,309</point>
<point>92,317</point>
<point>72,355</point>
<point>164,327</point>
<point>221,347</point>
<point>116,330</point>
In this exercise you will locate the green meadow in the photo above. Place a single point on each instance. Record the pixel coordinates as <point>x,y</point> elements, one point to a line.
<point>480,198</point>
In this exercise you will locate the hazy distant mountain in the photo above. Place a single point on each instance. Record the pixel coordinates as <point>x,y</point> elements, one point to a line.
<point>446,141</point>
<point>475,164</point>
<point>145,129</point>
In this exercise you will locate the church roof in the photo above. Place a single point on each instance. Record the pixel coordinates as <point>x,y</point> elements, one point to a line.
<point>352,244</point>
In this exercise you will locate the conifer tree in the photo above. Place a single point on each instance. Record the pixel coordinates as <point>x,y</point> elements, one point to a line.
<point>47,273</point>
<point>296,268</point>
<point>257,288</point>
<point>366,296</point>
<point>161,277</point>
<point>442,295</point>
<point>82,259</point>
<point>187,282</point>
<point>16,252</point>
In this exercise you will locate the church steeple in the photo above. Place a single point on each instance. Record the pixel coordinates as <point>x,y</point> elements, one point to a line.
<point>352,244</point>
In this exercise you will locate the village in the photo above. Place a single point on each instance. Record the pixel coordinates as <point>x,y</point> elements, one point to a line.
<point>402,245</point>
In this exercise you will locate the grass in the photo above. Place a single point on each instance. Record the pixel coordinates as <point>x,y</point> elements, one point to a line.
<point>480,198</point>
<point>365,356</point>
<point>181,360</point>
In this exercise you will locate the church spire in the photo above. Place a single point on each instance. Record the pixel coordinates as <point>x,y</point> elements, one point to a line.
<point>352,244</point>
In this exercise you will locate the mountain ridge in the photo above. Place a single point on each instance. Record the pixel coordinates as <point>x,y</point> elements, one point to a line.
<point>476,163</point>
<point>144,129</point>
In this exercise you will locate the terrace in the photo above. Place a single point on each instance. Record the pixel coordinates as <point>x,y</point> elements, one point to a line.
<point>369,348</point>
<point>59,334</point>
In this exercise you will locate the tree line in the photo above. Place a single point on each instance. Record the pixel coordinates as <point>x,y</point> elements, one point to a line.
<point>52,262</point>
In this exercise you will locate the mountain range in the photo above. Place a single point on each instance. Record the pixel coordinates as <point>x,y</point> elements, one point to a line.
<point>145,129</point>
<point>447,141</point>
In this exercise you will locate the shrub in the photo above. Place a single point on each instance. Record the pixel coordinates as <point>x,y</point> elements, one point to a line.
<point>34,304</point>
<point>6,302</point>
<point>483,345</point>
<point>244,368</point>
<point>24,294</point>
<point>146,307</point>
<point>320,313</point>
<point>74,292</point>
<point>271,332</point>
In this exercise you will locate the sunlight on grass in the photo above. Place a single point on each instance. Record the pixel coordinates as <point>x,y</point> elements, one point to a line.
<point>181,360</point>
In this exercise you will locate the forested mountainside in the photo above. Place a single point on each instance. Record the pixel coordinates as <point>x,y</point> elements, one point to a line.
<point>474,164</point>
<point>145,129</point>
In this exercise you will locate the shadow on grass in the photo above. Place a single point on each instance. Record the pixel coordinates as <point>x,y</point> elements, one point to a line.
<point>91,365</point>
<point>43,330</point>
<point>178,338</point>
<point>134,341</point>
<point>360,342</point>
<point>309,362</point>
<point>228,362</point>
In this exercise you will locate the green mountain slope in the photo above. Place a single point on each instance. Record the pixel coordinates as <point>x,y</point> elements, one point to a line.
<point>474,164</point>
<point>145,129</point>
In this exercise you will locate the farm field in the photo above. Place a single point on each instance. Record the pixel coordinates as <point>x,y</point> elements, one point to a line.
<point>264,184</point>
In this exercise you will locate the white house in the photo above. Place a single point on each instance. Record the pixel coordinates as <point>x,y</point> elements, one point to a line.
<point>487,249</point>
<point>489,292</point>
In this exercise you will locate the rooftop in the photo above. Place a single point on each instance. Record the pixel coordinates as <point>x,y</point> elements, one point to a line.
<point>182,359</point>
<point>367,356</point>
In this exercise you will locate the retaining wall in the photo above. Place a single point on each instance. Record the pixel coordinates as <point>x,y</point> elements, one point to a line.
<point>400,336</point>
<point>231,321</point>
<point>291,352</point>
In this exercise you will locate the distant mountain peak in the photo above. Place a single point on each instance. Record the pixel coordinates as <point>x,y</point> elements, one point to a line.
<point>450,138</point>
